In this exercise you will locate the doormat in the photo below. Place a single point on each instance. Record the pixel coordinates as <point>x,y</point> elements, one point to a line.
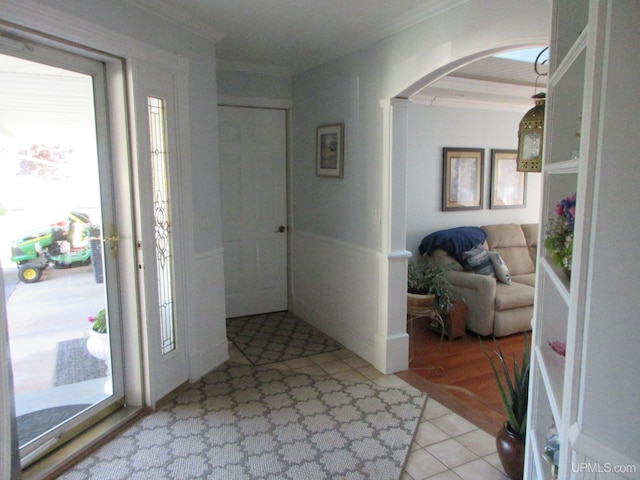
<point>32,425</point>
<point>75,364</point>
<point>276,337</point>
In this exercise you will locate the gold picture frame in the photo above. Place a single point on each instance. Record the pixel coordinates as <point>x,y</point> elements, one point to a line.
<point>508,185</point>
<point>462,179</point>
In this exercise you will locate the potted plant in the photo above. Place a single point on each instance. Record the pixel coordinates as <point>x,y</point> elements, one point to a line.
<point>427,284</point>
<point>98,340</point>
<point>514,394</point>
<point>98,345</point>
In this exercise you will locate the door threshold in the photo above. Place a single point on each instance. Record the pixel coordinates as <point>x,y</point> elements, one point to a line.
<point>72,452</point>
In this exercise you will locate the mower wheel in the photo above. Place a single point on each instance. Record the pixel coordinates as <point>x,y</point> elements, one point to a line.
<point>29,274</point>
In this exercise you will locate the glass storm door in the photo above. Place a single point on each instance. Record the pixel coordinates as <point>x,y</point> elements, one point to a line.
<point>58,244</point>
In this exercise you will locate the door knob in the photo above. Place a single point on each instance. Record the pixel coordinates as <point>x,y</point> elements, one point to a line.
<point>281,229</point>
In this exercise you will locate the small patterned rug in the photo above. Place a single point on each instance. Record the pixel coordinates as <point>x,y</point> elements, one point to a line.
<point>255,423</point>
<point>275,337</point>
<point>32,425</point>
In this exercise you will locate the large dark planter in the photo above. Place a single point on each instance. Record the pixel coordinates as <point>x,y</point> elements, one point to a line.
<point>510,447</point>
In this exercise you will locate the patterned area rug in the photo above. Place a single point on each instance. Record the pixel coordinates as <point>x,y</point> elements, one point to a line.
<point>246,422</point>
<point>275,337</point>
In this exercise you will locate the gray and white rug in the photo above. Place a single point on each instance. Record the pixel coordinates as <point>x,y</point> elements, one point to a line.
<point>276,337</point>
<point>247,422</point>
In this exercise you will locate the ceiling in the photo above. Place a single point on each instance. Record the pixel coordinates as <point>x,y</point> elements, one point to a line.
<point>291,36</point>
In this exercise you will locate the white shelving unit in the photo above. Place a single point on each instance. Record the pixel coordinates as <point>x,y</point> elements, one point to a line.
<point>592,149</point>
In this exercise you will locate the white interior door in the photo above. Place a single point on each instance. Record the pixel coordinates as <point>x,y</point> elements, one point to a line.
<point>253,158</point>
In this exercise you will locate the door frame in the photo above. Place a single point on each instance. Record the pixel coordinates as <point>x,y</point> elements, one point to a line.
<point>52,27</point>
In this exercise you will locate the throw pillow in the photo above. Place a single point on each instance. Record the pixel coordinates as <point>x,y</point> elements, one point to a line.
<point>502,272</point>
<point>477,260</point>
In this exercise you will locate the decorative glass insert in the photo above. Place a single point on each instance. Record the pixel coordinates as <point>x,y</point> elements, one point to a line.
<point>161,213</point>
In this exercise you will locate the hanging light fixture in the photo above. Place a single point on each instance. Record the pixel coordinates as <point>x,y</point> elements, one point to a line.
<point>531,131</point>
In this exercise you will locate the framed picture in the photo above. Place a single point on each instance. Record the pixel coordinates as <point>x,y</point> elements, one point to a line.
<point>508,186</point>
<point>330,150</point>
<point>462,178</point>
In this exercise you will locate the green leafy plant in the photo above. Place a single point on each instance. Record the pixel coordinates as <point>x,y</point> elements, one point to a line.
<point>99,322</point>
<point>513,387</point>
<point>426,278</point>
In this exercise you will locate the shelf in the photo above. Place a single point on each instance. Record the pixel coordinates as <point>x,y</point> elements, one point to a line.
<point>564,111</point>
<point>542,467</point>
<point>565,166</point>
<point>576,50</point>
<point>571,19</point>
<point>552,373</point>
<point>558,278</point>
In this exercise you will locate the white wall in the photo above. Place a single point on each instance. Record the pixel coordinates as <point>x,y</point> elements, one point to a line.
<point>430,129</point>
<point>332,217</point>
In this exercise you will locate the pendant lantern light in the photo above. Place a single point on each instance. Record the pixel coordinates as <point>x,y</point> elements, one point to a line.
<point>531,131</point>
<point>531,136</point>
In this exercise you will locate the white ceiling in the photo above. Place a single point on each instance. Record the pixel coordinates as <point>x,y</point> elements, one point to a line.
<point>291,36</point>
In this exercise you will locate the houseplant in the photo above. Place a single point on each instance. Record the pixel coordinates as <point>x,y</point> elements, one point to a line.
<point>98,344</point>
<point>513,387</point>
<point>427,279</point>
<point>559,240</point>
<point>97,338</point>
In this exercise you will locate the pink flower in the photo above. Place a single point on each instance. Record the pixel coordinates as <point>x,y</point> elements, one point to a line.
<point>90,319</point>
<point>559,210</point>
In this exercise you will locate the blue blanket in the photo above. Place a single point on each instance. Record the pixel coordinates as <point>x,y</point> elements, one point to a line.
<point>454,241</point>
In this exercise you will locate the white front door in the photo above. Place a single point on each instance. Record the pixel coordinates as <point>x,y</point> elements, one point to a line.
<point>253,159</point>
<point>58,185</point>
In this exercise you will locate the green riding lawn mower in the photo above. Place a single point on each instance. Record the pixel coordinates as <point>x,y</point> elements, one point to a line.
<point>63,245</point>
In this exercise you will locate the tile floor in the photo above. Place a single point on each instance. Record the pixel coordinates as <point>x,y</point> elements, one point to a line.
<point>446,446</point>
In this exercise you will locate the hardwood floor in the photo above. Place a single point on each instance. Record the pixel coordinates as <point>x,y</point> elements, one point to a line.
<point>458,374</point>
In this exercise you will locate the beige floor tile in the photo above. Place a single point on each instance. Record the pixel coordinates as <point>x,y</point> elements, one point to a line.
<point>479,442</point>
<point>370,372</point>
<point>312,370</point>
<point>453,424</point>
<point>448,475</point>
<point>355,362</point>
<point>428,434</point>
<point>434,409</point>
<point>494,460</point>
<point>351,376</point>
<point>422,465</point>
<point>451,453</point>
<point>479,469</point>
<point>391,381</point>
<point>322,358</point>
<point>298,362</point>
<point>334,366</point>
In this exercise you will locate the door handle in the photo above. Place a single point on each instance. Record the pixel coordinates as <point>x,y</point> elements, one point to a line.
<point>281,229</point>
<point>113,240</point>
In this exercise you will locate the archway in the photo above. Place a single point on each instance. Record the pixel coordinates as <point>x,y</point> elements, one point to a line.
<point>398,135</point>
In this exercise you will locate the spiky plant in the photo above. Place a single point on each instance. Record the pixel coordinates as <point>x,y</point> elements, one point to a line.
<point>514,390</point>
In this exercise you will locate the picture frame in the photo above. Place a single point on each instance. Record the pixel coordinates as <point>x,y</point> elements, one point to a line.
<point>330,150</point>
<point>462,178</point>
<point>508,185</point>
